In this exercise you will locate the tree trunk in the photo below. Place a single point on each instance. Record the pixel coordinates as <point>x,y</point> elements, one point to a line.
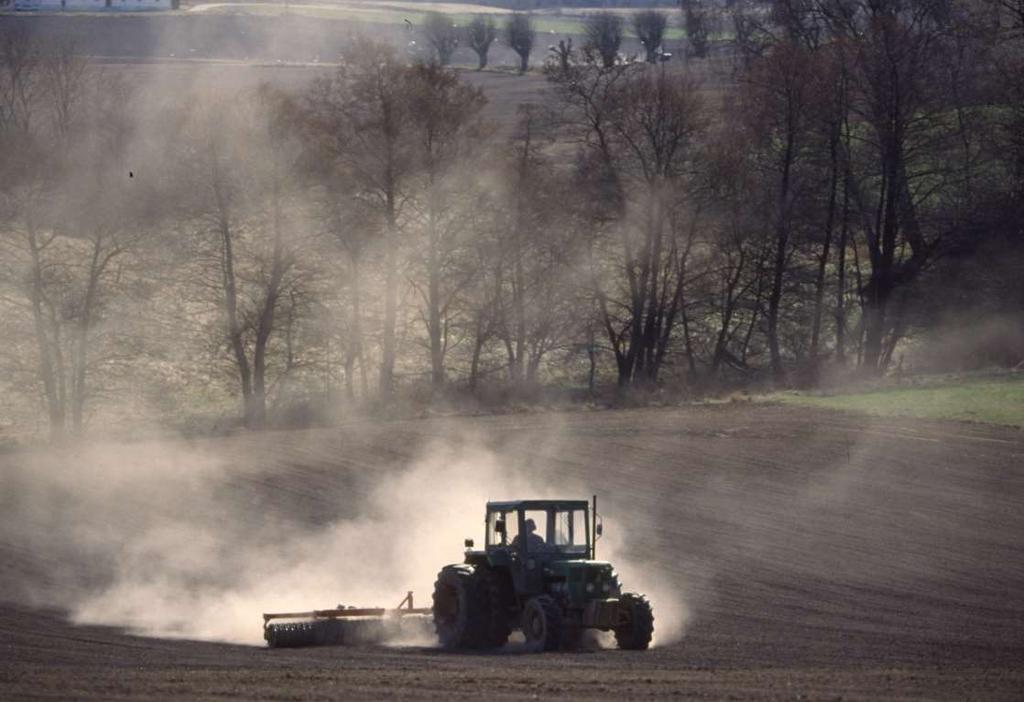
<point>728,309</point>
<point>81,357</point>
<point>841,268</point>
<point>779,269</point>
<point>517,348</point>
<point>234,329</point>
<point>638,281</point>
<point>59,366</point>
<point>758,298</point>
<point>819,283</point>
<point>257,417</point>
<point>387,361</point>
<point>478,344</point>
<point>658,287</point>
<point>265,325</point>
<point>355,346</point>
<point>434,301</point>
<point>691,361</point>
<point>350,364</point>
<point>782,224</point>
<point>518,352</point>
<point>591,358</point>
<point>390,127</point>
<point>883,256</point>
<point>861,299</point>
<point>533,364</point>
<point>47,372</point>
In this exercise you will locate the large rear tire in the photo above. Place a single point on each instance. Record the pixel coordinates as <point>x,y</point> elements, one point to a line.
<point>460,609</point>
<point>542,624</point>
<point>637,634</point>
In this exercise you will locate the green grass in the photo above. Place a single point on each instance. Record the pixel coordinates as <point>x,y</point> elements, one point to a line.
<point>992,400</point>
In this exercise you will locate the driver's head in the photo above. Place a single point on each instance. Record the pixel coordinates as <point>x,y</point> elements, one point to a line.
<point>531,526</point>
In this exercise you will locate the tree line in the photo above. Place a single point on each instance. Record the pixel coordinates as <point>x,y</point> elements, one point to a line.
<point>857,173</point>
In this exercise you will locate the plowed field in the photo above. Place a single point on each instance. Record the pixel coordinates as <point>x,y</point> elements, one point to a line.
<point>798,553</point>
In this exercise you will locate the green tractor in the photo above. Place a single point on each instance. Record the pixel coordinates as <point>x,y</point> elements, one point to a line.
<point>538,573</point>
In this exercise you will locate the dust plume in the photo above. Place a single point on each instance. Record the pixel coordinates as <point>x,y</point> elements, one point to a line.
<point>195,541</point>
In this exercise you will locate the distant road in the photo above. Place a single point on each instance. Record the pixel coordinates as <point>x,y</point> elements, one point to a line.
<point>355,7</point>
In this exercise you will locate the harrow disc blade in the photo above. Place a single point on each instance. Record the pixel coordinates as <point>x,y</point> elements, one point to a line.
<point>340,632</point>
<point>296,634</point>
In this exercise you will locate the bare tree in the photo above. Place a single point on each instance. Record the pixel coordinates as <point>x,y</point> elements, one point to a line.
<point>71,214</point>
<point>276,278</point>
<point>483,300</point>
<point>639,126</point>
<point>604,36</point>
<point>365,107</point>
<point>214,165</point>
<point>649,26</point>
<point>20,82</point>
<point>561,57</point>
<point>109,216</point>
<point>520,35</point>
<point>695,20</point>
<point>738,249</point>
<point>894,48</point>
<point>349,215</point>
<point>23,186</point>
<point>444,111</point>
<point>442,35</point>
<point>523,303</point>
<point>480,34</point>
<point>831,91</point>
<point>780,113</point>
<point>237,192</point>
<point>536,245</point>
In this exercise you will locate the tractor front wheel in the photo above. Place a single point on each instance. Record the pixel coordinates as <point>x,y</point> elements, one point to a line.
<point>542,624</point>
<point>636,634</point>
<point>499,600</point>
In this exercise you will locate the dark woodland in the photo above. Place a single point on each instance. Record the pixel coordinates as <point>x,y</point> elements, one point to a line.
<point>815,191</point>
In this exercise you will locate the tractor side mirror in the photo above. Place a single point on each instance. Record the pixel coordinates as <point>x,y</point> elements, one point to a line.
<point>469,543</point>
<point>599,529</point>
<point>499,526</point>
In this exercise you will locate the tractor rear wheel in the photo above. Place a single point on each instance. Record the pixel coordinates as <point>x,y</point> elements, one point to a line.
<point>637,633</point>
<point>542,624</point>
<point>460,610</point>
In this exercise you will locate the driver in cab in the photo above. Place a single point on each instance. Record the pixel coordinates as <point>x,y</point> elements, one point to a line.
<point>533,541</point>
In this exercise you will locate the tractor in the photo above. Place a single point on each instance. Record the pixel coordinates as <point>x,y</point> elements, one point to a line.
<point>537,572</point>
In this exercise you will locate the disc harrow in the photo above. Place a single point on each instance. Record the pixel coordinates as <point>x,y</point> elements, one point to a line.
<point>342,626</point>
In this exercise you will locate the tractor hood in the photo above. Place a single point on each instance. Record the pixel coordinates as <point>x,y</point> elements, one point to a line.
<point>581,564</point>
<point>583,580</point>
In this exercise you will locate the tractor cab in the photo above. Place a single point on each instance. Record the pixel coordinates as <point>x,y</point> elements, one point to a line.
<point>539,529</point>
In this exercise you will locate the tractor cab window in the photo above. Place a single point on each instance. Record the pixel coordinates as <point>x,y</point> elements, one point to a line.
<point>570,530</point>
<point>499,535</point>
<point>534,531</point>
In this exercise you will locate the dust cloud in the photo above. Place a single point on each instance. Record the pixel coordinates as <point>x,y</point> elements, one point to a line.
<point>180,540</point>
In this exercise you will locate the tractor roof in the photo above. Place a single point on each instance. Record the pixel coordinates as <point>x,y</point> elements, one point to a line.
<point>535,504</point>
